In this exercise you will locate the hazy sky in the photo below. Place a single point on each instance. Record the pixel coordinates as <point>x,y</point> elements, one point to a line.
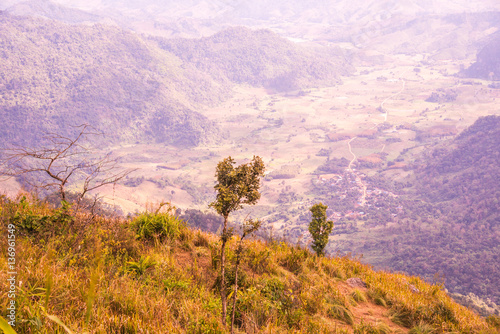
<point>283,6</point>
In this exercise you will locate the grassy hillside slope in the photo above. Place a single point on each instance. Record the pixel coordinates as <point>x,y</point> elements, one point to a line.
<point>152,274</point>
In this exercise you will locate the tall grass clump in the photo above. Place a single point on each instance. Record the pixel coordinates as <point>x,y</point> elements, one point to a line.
<point>358,296</point>
<point>367,328</point>
<point>157,226</point>
<point>342,313</point>
<point>422,328</point>
<point>421,303</point>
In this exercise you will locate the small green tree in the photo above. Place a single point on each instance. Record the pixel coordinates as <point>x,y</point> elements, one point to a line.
<point>235,186</point>
<point>319,228</point>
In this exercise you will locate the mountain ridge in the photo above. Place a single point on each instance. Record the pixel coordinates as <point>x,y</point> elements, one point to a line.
<point>487,65</point>
<point>99,75</point>
<point>260,58</point>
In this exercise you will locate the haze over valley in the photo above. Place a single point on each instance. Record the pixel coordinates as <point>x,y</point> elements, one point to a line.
<point>385,111</point>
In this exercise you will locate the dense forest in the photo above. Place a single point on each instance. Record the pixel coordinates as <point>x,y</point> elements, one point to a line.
<point>261,58</point>
<point>55,75</point>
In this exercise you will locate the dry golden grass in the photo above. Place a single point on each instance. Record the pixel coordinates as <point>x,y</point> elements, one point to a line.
<point>102,276</point>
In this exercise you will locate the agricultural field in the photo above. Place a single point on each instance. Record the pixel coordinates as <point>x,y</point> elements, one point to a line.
<point>369,120</point>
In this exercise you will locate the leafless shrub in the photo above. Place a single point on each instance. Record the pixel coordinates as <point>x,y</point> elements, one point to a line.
<point>62,163</point>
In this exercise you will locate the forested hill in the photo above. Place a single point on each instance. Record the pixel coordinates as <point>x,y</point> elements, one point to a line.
<point>55,75</point>
<point>466,173</point>
<point>261,58</point>
<point>49,9</point>
<point>487,65</point>
<point>460,185</point>
<point>448,222</point>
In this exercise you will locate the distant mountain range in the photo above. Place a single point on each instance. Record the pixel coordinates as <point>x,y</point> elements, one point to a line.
<point>140,89</point>
<point>56,75</point>
<point>52,10</point>
<point>447,29</point>
<point>324,11</point>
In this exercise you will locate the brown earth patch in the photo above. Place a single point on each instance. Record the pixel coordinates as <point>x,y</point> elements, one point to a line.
<point>373,158</point>
<point>374,315</point>
<point>398,165</point>
<point>369,312</point>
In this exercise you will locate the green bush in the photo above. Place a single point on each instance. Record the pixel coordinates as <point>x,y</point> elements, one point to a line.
<point>149,226</point>
<point>494,320</point>
<point>203,326</point>
<point>295,318</point>
<point>140,267</point>
<point>294,259</point>
<point>29,222</point>
<point>260,261</point>
<point>230,278</point>
<point>255,309</point>
<point>273,289</point>
<point>171,284</point>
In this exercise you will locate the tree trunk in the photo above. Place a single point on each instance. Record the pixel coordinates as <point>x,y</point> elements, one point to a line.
<point>235,293</point>
<point>223,273</point>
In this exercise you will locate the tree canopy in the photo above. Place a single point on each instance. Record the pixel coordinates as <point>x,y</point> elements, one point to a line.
<point>319,228</point>
<point>237,185</point>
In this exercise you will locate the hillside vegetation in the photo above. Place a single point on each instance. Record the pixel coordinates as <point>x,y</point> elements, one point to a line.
<point>261,58</point>
<point>56,75</point>
<point>152,274</point>
<point>52,10</point>
<point>487,65</point>
<point>386,26</point>
<point>448,217</point>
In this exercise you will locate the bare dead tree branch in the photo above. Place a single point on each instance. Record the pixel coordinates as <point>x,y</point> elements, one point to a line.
<point>62,161</point>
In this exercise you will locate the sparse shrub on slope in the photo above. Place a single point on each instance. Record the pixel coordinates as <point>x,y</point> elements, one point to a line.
<point>30,222</point>
<point>358,296</point>
<point>320,228</point>
<point>422,329</point>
